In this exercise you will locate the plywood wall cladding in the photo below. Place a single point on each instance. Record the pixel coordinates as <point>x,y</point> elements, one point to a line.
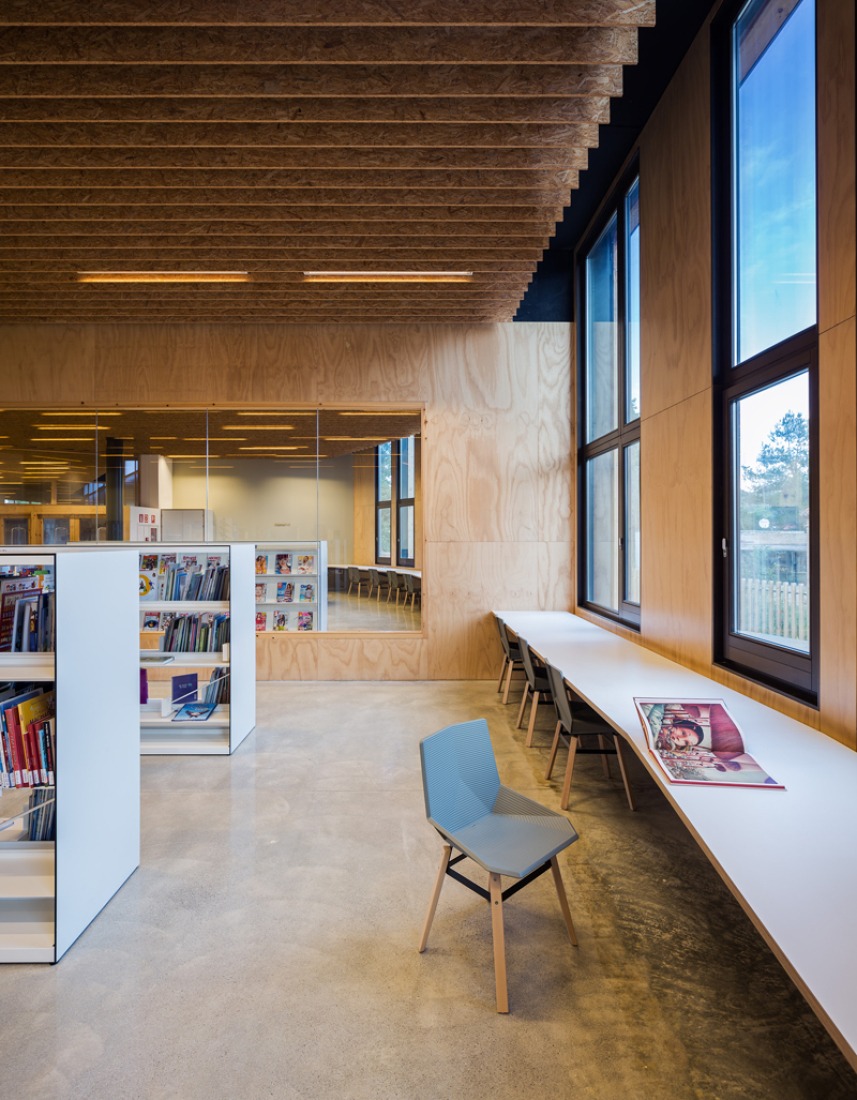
<point>276,138</point>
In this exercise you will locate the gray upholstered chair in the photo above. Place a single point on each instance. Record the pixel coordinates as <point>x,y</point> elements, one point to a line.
<point>511,658</point>
<point>576,719</point>
<point>378,583</point>
<point>501,831</point>
<point>537,687</point>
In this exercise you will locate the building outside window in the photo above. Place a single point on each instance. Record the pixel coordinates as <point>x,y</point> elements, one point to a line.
<point>383,502</point>
<point>766,340</point>
<point>609,414</point>
<point>405,503</point>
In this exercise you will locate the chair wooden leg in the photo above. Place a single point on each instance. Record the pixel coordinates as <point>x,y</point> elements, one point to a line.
<point>496,892</point>
<point>441,875</point>
<point>569,770</point>
<point>563,900</point>
<point>502,673</point>
<point>605,763</point>
<point>509,670</point>
<point>621,761</point>
<point>533,711</point>
<point>523,704</point>
<point>554,747</point>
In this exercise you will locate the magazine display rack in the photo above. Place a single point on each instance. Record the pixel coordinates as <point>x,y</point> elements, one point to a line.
<point>88,810</point>
<point>291,586</point>
<point>196,646</point>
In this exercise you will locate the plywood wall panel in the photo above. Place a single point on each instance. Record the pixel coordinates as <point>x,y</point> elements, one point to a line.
<point>675,236</point>
<point>676,518</point>
<point>838,530</point>
<point>556,576</point>
<point>469,580</point>
<point>46,360</point>
<point>372,657</point>
<point>837,205</point>
<point>555,438</point>
<point>286,657</point>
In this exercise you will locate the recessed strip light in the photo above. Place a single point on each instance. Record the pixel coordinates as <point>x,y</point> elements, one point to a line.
<point>92,412</point>
<point>163,277</point>
<point>72,428</point>
<point>64,439</point>
<point>257,428</point>
<point>388,276</point>
<point>276,447</point>
<point>276,412</point>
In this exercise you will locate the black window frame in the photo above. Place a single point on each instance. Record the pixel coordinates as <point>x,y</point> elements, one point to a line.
<point>625,434</point>
<point>785,670</point>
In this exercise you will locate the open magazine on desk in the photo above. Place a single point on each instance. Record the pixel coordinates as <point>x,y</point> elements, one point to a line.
<point>698,741</point>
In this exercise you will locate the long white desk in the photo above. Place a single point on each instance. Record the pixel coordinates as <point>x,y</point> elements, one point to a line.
<point>787,855</point>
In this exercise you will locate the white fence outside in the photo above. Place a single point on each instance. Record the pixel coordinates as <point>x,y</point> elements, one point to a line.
<point>775,608</point>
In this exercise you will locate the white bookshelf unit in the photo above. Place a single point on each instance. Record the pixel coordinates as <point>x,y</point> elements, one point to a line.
<point>51,890</point>
<point>224,730</point>
<point>290,586</point>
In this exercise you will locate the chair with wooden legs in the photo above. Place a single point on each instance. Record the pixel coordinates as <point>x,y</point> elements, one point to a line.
<point>413,589</point>
<point>379,582</point>
<point>512,662</point>
<point>537,687</point>
<point>357,577</point>
<point>576,719</point>
<point>502,831</point>
<point>395,583</point>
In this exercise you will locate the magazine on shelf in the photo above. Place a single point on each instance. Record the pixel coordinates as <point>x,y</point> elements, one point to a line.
<point>698,741</point>
<point>285,592</point>
<point>282,563</point>
<point>262,620</point>
<point>306,563</point>
<point>261,563</point>
<point>194,712</point>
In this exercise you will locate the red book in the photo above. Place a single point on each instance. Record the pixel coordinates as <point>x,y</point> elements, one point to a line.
<point>20,763</point>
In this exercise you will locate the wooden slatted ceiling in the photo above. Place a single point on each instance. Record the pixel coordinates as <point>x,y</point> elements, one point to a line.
<point>281,136</point>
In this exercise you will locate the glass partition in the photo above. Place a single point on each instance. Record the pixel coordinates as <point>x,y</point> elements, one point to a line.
<point>268,476</point>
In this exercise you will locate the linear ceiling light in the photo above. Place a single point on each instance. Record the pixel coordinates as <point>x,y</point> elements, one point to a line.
<point>388,276</point>
<point>276,447</point>
<point>92,412</point>
<point>72,428</point>
<point>257,428</point>
<point>163,277</point>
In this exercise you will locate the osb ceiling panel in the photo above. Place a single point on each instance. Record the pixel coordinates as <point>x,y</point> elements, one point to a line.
<point>283,136</point>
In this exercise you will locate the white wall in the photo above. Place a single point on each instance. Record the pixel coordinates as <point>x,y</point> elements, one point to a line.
<point>262,501</point>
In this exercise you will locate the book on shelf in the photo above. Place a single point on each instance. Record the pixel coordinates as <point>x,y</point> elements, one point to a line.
<point>150,620</point>
<point>698,741</point>
<point>27,614</point>
<point>41,820</point>
<point>194,712</point>
<point>217,688</point>
<point>144,686</point>
<point>185,687</point>
<point>27,738</point>
<point>196,632</point>
<point>193,577</point>
<point>153,657</point>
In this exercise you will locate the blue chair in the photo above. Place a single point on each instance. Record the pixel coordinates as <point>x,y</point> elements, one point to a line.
<point>500,830</point>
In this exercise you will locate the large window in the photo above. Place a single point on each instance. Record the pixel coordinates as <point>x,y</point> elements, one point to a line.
<point>609,451</point>
<point>383,503</point>
<point>405,503</point>
<point>766,341</point>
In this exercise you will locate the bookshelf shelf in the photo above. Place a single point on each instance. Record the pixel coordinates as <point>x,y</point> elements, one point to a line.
<point>281,571</point>
<point>230,723</point>
<point>52,889</point>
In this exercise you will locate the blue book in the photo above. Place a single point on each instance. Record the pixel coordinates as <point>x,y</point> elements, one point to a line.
<point>185,688</point>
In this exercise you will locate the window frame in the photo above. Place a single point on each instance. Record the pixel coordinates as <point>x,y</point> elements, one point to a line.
<point>787,671</point>
<point>625,434</point>
<point>404,502</point>
<point>384,505</point>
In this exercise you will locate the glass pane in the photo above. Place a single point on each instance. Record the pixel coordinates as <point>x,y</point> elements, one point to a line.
<point>602,351</point>
<point>385,471</point>
<point>771,567</point>
<point>632,303</point>
<point>383,546</point>
<point>632,523</point>
<point>602,530</point>
<point>774,179</point>
<point>406,533</point>
<point>406,468</point>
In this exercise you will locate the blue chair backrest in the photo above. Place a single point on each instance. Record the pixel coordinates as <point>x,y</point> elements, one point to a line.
<point>460,778</point>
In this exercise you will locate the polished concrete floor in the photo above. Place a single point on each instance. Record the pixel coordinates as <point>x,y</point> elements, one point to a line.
<point>354,612</point>
<point>266,947</point>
